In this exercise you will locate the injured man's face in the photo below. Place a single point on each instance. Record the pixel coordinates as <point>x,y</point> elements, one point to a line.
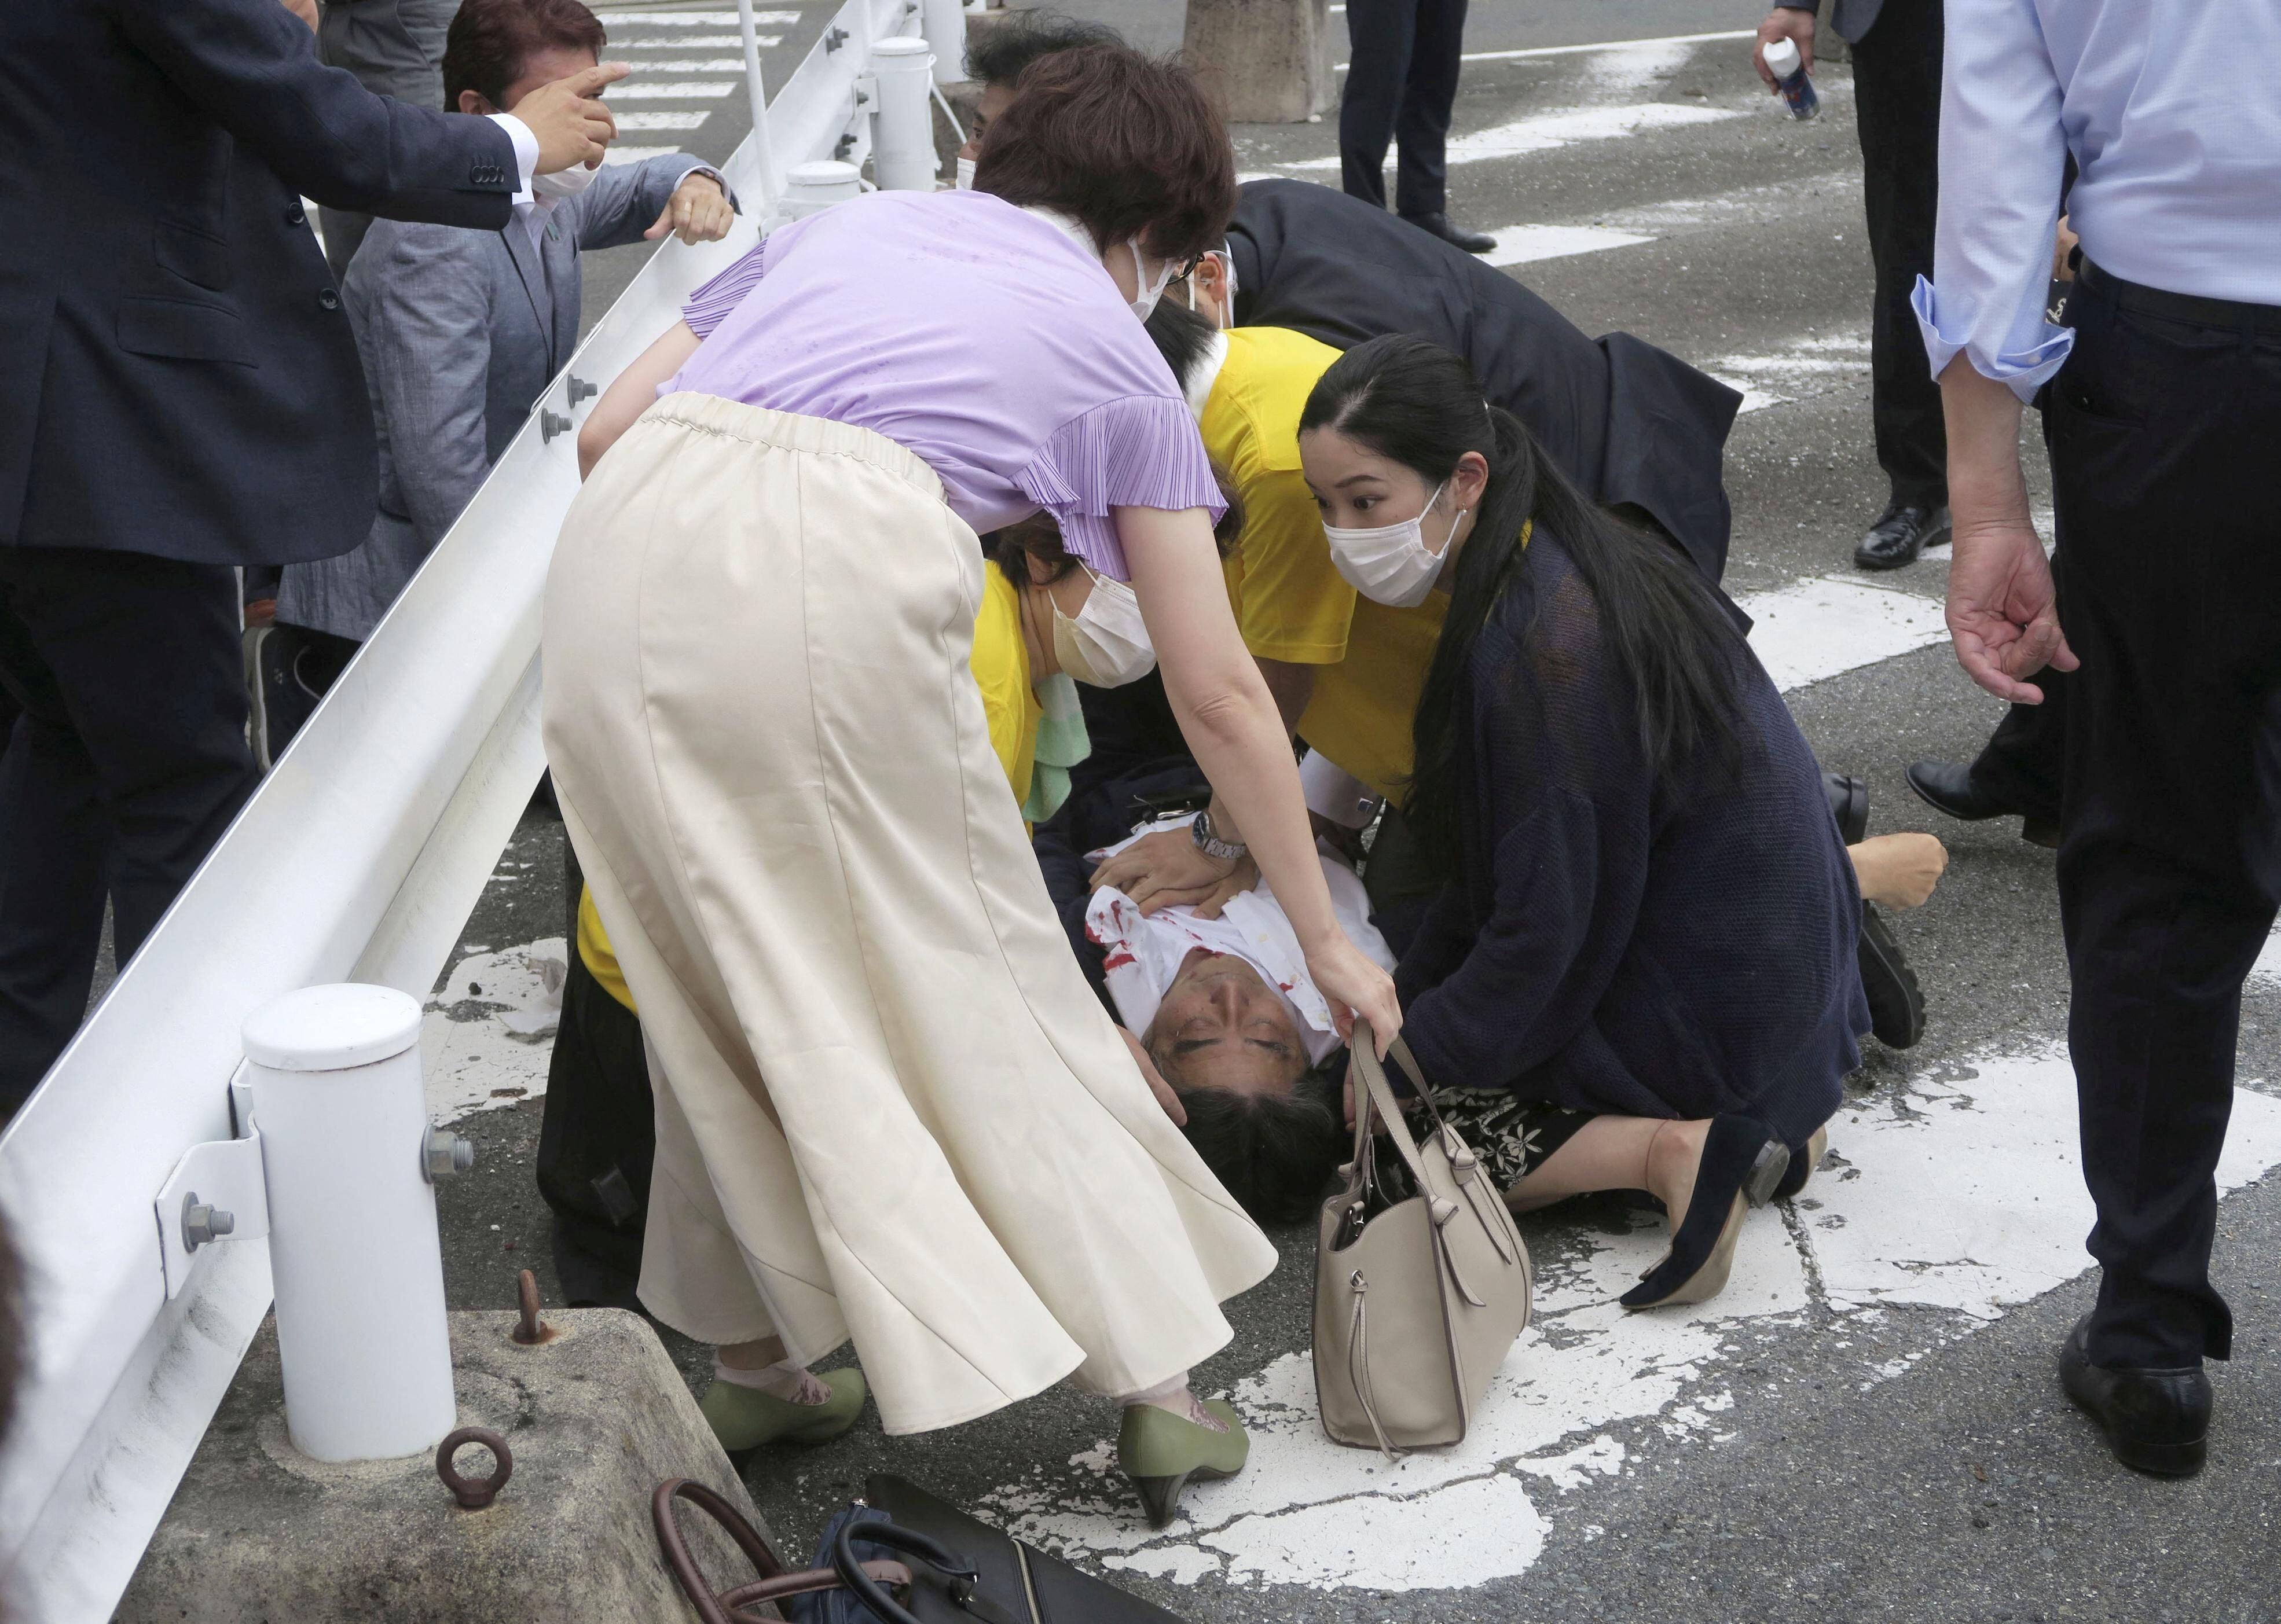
<point>1221,1025</point>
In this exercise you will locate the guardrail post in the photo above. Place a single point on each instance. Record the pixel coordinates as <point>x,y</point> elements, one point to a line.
<point>902,150</point>
<point>944,24</point>
<point>347,1153</point>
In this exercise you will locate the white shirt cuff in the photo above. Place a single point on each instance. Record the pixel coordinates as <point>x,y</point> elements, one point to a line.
<point>2024,370</point>
<point>1335,794</point>
<point>526,151</point>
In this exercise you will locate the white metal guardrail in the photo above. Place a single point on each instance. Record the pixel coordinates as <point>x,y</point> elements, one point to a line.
<point>358,859</point>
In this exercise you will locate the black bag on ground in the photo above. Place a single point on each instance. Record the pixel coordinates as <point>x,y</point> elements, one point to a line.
<point>899,1556</point>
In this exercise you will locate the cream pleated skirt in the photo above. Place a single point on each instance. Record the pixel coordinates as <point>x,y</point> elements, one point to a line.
<point>888,1105</point>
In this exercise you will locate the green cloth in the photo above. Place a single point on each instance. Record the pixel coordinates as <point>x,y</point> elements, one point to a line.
<point>1061,744</point>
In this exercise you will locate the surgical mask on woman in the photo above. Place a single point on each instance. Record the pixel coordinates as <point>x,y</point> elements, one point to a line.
<point>1145,300</point>
<point>563,183</point>
<point>1391,564</point>
<point>965,174</point>
<point>1107,645</point>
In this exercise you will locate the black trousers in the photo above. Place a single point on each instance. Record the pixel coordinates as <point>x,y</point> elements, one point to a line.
<point>2161,434</point>
<point>1897,110</point>
<point>127,764</point>
<point>1401,82</point>
<point>596,1142</point>
<point>2024,762</point>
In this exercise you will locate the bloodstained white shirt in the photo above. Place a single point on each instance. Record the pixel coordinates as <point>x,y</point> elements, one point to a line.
<point>1145,952</point>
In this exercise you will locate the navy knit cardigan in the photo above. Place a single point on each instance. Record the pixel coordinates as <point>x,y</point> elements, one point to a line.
<point>1616,942</point>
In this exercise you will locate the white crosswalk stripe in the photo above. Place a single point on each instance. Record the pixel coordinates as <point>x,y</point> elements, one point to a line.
<point>661,120</point>
<point>1545,132</point>
<point>673,91</point>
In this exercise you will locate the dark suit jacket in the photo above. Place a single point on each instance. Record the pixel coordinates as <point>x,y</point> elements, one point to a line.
<point>1625,421</point>
<point>176,373</point>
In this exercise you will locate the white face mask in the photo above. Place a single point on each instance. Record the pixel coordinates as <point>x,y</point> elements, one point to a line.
<point>1390,564</point>
<point>1145,300</point>
<point>563,183</point>
<point>965,174</point>
<point>1107,645</point>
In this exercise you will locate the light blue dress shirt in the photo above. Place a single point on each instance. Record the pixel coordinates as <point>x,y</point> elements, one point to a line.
<point>2172,109</point>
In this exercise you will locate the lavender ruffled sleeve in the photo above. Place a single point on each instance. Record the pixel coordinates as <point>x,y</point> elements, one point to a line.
<point>709,307</point>
<point>1139,451</point>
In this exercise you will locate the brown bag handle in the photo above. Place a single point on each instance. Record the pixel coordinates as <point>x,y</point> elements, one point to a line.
<point>776,1581</point>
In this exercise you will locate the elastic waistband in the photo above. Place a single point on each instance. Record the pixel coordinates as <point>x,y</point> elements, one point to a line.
<point>2236,314</point>
<point>790,431</point>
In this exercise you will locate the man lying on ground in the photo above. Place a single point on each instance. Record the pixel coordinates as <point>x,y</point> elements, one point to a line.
<point>1237,1041</point>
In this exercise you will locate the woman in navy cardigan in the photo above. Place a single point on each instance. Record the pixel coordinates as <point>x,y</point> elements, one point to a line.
<point>1640,972</point>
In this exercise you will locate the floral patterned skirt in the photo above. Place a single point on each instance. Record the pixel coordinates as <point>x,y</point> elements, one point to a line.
<point>1511,1135</point>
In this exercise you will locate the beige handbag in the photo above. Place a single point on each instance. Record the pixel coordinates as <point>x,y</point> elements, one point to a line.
<point>1416,1300</point>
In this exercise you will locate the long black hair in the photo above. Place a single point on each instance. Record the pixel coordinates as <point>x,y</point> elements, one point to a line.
<point>1419,406</point>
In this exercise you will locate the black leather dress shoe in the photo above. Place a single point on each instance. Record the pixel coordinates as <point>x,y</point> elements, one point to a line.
<point>2155,1420</point>
<point>1897,1011</point>
<point>1456,236</point>
<point>1899,534</point>
<point>1947,787</point>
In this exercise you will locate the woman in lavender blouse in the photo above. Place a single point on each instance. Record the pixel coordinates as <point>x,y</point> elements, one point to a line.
<point>888,1107</point>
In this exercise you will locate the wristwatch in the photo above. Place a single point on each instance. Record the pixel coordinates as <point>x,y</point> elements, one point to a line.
<point>1211,845</point>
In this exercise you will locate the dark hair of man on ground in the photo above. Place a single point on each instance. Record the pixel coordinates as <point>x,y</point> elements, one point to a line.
<point>1273,1153</point>
<point>1120,142</point>
<point>997,55</point>
<point>1419,405</point>
<point>489,41</point>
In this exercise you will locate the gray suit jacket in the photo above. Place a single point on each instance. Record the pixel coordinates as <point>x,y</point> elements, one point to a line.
<point>460,332</point>
<point>1851,19</point>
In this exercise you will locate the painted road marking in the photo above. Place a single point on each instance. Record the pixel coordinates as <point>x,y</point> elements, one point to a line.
<point>661,120</point>
<point>673,91</point>
<point>1604,45</point>
<point>1963,1197</point>
<point>695,19</point>
<point>487,1038</point>
<point>1823,625</point>
<point>1526,244</point>
<point>1545,132</point>
<point>697,65</point>
<point>635,154</point>
<point>691,42</point>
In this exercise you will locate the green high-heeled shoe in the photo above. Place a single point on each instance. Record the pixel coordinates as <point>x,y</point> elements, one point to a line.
<point>1161,1451</point>
<point>745,1418</point>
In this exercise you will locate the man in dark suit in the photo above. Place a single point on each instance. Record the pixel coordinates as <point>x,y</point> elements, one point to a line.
<point>1401,86</point>
<point>1895,47</point>
<point>1638,428</point>
<point>179,395</point>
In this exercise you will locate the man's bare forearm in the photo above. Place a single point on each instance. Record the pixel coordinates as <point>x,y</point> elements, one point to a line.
<point>1985,485</point>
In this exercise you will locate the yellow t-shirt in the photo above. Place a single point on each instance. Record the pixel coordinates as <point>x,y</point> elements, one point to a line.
<point>1000,664</point>
<point>1290,601</point>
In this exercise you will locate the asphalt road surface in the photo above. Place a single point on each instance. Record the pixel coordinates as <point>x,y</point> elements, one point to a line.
<point>1865,1425</point>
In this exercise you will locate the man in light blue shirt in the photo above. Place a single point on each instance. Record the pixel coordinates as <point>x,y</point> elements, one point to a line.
<point>2162,413</point>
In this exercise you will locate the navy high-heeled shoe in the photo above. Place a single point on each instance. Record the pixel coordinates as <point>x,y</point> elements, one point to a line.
<point>1804,1166</point>
<point>1742,1164</point>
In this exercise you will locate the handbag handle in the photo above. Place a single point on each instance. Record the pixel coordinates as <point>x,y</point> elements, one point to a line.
<point>1380,1093</point>
<point>776,1582</point>
<point>965,1590</point>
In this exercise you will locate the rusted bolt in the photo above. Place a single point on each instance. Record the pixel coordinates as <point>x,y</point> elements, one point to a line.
<point>473,1496</point>
<point>531,1330</point>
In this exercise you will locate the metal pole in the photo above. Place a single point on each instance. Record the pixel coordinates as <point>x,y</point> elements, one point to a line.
<point>764,158</point>
<point>365,1350</point>
<point>902,151</point>
<point>944,23</point>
